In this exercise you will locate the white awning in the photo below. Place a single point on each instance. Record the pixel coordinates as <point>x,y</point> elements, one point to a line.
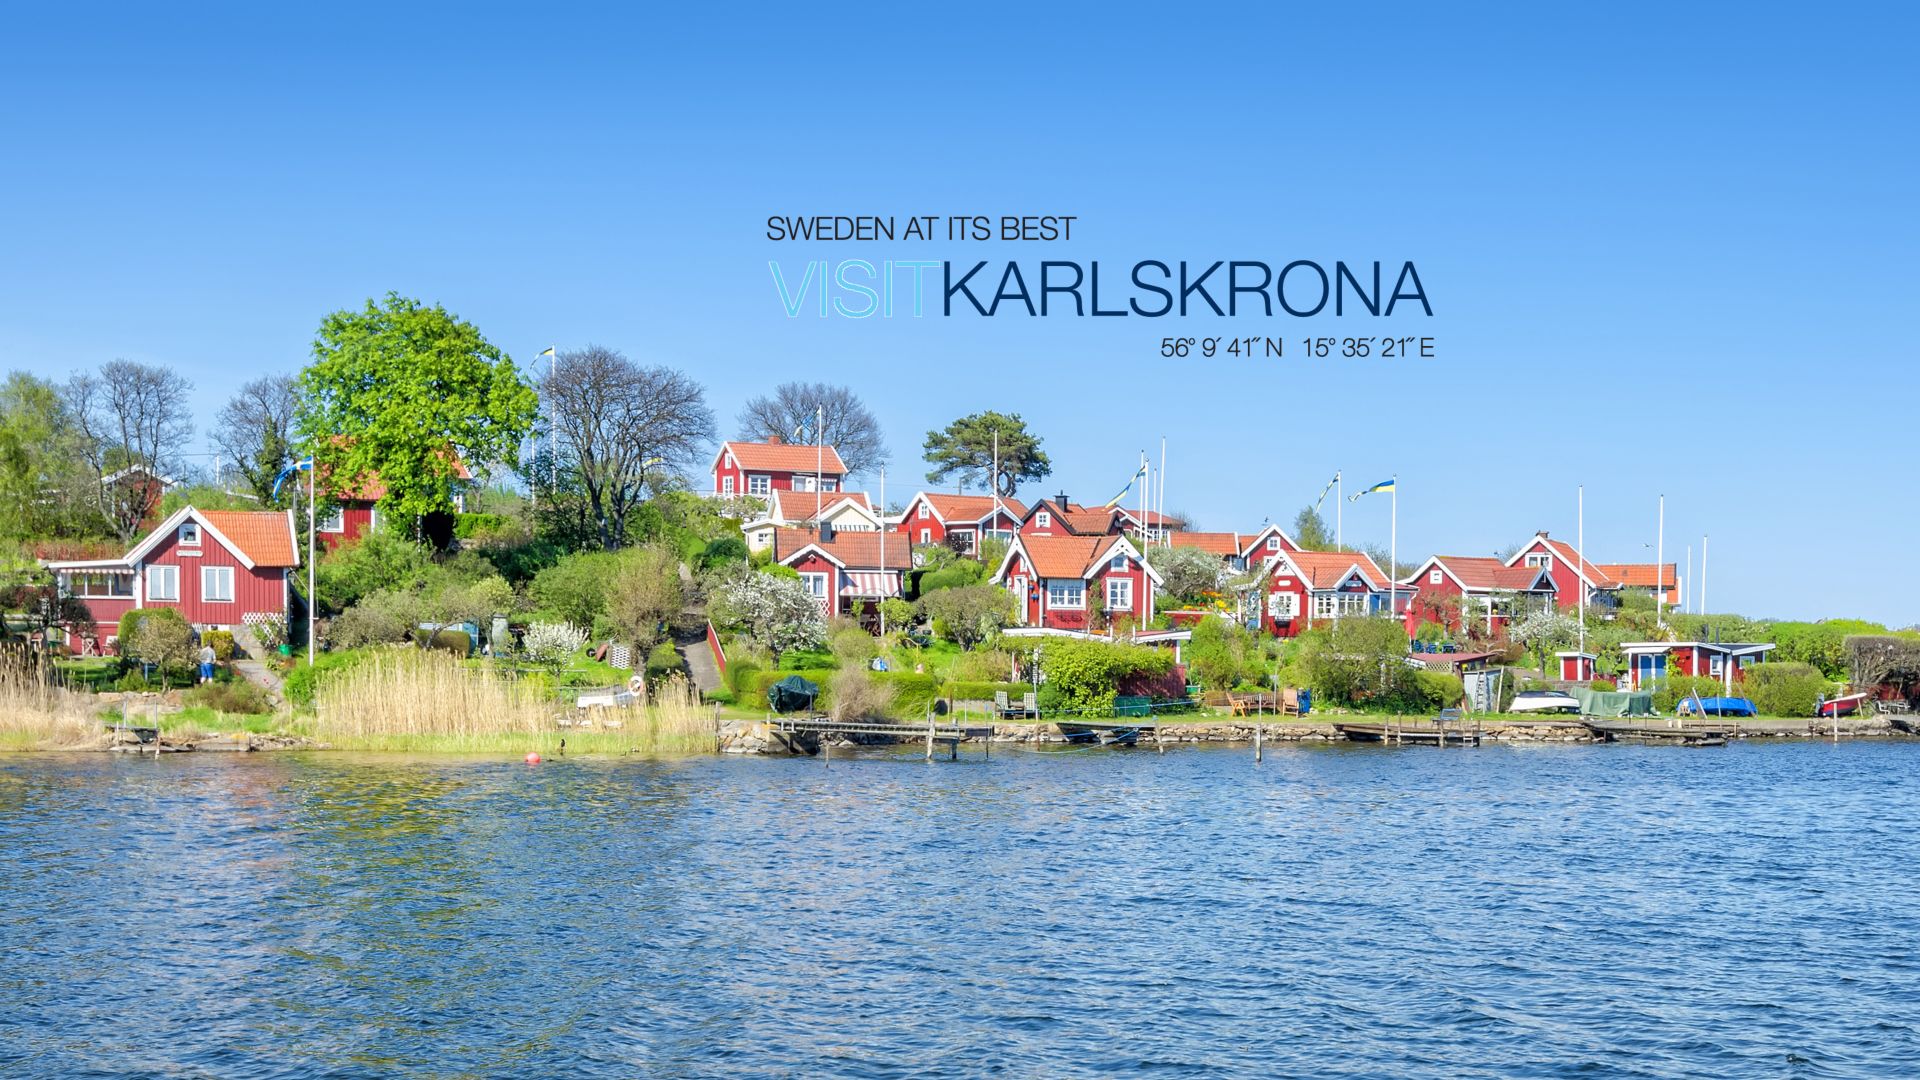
<point>870,583</point>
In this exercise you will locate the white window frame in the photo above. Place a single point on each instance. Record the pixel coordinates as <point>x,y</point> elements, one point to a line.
<point>334,522</point>
<point>1436,576</point>
<point>1119,594</point>
<point>1353,603</point>
<point>1119,563</point>
<point>211,574</point>
<point>925,511</point>
<point>926,536</point>
<point>1539,560</point>
<point>1283,605</point>
<point>1716,665</point>
<point>1273,543</point>
<point>1324,606</point>
<point>760,485</point>
<point>169,574</point>
<point>726,485</point>
<point>190,534</point>
<point>1066,594</point>
<point>1042,520</point>
<point>815,583</point>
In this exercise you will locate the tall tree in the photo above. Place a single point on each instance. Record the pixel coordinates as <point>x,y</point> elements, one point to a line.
<point>409,391</point>
<point>134,423</point>
<point>966,450</point>
<point>45,485</point>
<point>255,431</point>
<point>844,423</point>
<point>621,428</point>
<point>1310,530</point>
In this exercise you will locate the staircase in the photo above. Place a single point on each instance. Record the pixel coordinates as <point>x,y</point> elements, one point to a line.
<point>690,641</point>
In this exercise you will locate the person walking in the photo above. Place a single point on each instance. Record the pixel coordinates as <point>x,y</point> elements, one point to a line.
<point>206,663</point>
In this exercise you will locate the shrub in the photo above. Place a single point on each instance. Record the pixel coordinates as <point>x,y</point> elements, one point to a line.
<point>237,696</point>
<point>1357,661</point>
<point>1603,684</point>
<point>1785,689</point>
<point>1088,673</point>
<point>221,642</point>
<point>721,551</point>
<point>742,677</point>
<point>663,661</point>
<point>551,645</point>
<point>645,593</point>
<point>380,618</point>
<point>957,574</point>
<point>1671,690</point>
<point>912,693</point>
<point>968,614</point>
<point>853,647</point>
<point>302,683</point>
<point>897,613</point>
<point>1218,656</point>
<point>156,636</point>
<point>1434,690</point>
<point>376,561</point>
<point>575,589</point>
<point>858,696</point>
<point>1051,699</point>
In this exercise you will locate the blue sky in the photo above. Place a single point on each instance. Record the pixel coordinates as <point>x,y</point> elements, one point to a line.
<point>1667,252</point>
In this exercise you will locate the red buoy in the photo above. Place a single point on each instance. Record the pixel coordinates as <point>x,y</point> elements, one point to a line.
<point>533,758</point>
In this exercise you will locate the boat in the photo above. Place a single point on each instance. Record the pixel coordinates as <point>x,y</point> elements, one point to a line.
<point>1717,706</point>
<point>1103,732</point>
<point>1840,706</point>
<point>1544,701</point>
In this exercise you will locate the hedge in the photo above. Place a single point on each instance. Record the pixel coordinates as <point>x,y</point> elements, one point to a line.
<point>984,691</point>
<point>222,643</point>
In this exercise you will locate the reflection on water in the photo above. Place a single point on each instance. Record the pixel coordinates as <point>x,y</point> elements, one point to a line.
<point>1365,911</point>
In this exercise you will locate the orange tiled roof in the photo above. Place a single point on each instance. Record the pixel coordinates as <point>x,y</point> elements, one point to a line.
<point>855,550</point>
<point>1643,575</point>
<point>970,507</point>
<point>1487,573</point>
<point>1324,569</point>
<point>1565,553</point>
<point>1217,543</point>
<point>801,505</point>
<point>1065,556</point>
<point>262,535</point>
<point>786,457</point>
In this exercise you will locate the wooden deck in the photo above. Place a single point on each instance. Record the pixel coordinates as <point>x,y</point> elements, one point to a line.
<point>1668,731</point>
<point>807,735</point>
<point>1414,732</point>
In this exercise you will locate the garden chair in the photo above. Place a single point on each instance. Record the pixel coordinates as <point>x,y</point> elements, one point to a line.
<point>1290,702</point>
<point>1000,706</point>
<point>1030,704</point>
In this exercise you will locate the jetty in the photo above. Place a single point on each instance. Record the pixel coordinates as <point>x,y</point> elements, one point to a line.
<point>1671,731</point>
<point>809,735</point>
<point>1448,728</point>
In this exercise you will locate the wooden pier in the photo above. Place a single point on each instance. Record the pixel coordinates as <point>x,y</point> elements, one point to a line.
<point>809,735</point>
<point>1668,731</point>
<point>1414,732</point>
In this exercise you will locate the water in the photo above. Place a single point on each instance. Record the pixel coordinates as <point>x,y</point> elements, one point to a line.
<point>1558,911</point>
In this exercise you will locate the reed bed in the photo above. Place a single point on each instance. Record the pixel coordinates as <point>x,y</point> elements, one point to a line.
<point>423,700</point>
<point>36,716</point>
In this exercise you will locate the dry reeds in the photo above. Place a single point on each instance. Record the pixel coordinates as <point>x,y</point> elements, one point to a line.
<point>34,715</point>
<point>410,699</point>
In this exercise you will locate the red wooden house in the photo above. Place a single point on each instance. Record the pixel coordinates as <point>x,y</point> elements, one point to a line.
<point>761,468</point>
<point>1570,572</point>
<point>1058,581</point>
<point>931,518</point>
<point>1061,516</point>
<point>1648,662</point>
<point>1298,589</point>
<point>1457,590</point>
<point>355,508</point>
<point>219,568</point>
<point>847,573</point>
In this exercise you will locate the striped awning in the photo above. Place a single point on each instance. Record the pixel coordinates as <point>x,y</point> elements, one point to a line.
<point>871,583</point>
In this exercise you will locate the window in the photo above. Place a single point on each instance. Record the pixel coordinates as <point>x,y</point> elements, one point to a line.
<point>967,540</point>
<point>1043,520</point>
<point>1323,606</point>
<point>926,536</point>
<point>335,521</point>
<point>759,485</point>
<point>726,485</point>
<point>216,584</point>
<point>163,583</point>
<point>190,535</point>
<point>1283,605</point>
<point>815,584</point>
<point>1066,593</point>
<point>1273,543</point>
<point>104,585</point>
<point>1436,576</point>
<point>1539,560</point>
<point>1716,664</point>
<point>925,511</point>
<point>1119,564</point>
<point>1119,594</point>
<point>829,484</point>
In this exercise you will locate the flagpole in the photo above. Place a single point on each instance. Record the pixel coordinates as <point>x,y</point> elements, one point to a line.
<point>1659,560</point>
<point>1393,552</point>
<point>553,422</point>
<point>1580,546</point>
<point>819,462</point>
<point>1340,496</point>
<point>880,605</point>
<point>1164,537</point>
<point>313,601</point>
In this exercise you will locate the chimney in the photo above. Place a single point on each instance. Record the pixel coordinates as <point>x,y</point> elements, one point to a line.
<point>1542,534</point>
<point>1063,500</point>
<point>773,440</point>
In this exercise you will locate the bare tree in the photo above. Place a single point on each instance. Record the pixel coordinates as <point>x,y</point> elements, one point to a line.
<point>135,423</point>
<point>255,432</point>
<point>842,419</point>
<point>622,428</point>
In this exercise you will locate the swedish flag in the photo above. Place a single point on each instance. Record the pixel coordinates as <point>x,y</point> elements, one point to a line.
<point>1384,485</point>
<point>1115,501</point>
<point>548,351</point>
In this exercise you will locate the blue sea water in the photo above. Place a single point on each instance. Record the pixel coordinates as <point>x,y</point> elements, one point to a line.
<point>1332,911</point>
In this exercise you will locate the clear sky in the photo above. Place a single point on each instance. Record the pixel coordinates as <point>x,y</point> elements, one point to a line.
<point>1667,252</point>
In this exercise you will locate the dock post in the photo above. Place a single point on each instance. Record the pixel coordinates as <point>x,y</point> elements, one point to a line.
<point>929,735</point>
<point>1259,730</point>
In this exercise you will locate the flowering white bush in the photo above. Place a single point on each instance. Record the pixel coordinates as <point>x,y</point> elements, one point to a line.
<point>552,644</point>
<point>774,612</point>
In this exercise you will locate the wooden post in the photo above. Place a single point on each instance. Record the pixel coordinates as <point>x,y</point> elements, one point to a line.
<point>929,734</point>
<point>1259,729</point>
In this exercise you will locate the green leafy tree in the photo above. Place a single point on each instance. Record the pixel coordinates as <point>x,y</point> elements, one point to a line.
<point>409,391</point>
<point>1086,675</point>
<point>1310,530</point>
<point>1186,572</point>
<point>966,450</point>
<point>969,614</point>
<point>645,593</point>
<point>378,560</point>
<point>575,589</point>
<point>157,636</point>
<point>1358,661</point>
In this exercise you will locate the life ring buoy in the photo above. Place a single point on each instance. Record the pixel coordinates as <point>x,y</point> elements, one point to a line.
<point>637,684</point>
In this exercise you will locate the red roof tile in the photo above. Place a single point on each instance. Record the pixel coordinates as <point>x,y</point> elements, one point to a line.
<point>1642,575</point>
<point>854,550</point>
<point>786,457</point>
<point>264,536</point>
<point>1065,556</point>
<point>1479,573</point>
<point>970,507</point>
<point>1217,543</point>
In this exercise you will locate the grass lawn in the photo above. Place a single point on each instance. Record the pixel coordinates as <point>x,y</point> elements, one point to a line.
<point>90,672</point>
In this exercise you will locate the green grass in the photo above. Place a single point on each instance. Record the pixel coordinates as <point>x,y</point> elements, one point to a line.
<point>89,673</point>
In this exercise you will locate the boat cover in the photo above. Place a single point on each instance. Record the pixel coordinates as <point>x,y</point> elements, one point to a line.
<point>791,693</point>
<point>1717,706</point>
<point>1613,702</point>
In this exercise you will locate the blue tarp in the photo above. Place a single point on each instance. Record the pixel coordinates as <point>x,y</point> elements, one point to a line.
<point>1717,706</point>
